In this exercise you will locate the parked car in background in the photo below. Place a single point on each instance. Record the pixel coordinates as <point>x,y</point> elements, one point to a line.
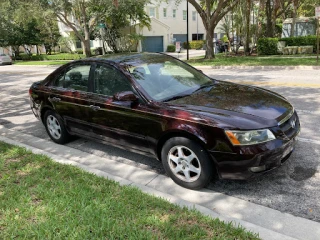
<point>154,104</point>
<point>5,59</point>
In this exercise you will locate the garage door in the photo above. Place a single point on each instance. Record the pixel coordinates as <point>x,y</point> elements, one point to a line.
<point>152,44</point>
<point>180,37</point>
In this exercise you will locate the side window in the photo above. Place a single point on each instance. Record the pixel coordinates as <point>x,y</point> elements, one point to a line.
<point>108,81</point>
<point>59,81</point>
<point>75,78</point>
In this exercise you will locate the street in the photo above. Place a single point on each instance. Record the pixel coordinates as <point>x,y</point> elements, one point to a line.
<point>292,188</point>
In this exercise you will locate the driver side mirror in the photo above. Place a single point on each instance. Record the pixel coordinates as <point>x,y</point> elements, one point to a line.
<point>127,96</point>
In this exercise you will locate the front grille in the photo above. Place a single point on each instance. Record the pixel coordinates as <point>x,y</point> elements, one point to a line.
<point>291,126</point>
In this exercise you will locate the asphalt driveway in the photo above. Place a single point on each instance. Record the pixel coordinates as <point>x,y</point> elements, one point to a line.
<point>293,188</point>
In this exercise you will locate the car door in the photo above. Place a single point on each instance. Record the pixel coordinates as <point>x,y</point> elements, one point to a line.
<point>69,97</point>
<point>117,122</point>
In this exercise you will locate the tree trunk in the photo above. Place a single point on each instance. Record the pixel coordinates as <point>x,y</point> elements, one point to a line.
<point>294,15</point>
<point>269,27</point>
<point>86,42</point>
<point>260,17</point>
<point>86,47</point>
<point>209,39</point>
<point>248,19</point>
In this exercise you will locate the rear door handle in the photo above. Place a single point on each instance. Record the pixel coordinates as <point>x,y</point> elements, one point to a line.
<point>94,108</point>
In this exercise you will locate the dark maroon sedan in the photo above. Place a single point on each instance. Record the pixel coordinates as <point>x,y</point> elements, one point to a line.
<point>157,105</point>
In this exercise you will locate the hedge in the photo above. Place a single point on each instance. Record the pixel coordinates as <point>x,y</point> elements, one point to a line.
<point>268,46</point>
<point>198,44</point>
<point>301,41</point>
<point>171,48</point>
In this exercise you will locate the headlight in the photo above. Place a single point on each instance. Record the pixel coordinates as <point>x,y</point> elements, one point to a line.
<point>249,137</point>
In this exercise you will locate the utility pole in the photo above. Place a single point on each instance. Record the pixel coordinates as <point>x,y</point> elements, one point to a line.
<point>187,30</point>
<point>317,20</point>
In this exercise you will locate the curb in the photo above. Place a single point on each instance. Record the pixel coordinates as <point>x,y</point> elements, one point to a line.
<point>263,232</point>
<point>269,223</point>
<point>219,67</point>
<point>260,67</point>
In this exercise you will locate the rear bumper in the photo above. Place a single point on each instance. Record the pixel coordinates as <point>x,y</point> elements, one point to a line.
<point>5,63</point>
<point>246,165</point>
<point>35,108</point>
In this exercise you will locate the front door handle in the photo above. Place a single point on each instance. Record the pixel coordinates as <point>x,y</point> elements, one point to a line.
<point>94,108</point>
<point>54,99</point>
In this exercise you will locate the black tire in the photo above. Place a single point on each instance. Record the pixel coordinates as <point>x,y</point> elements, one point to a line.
<point>55,127</point>
<point>189,159</point>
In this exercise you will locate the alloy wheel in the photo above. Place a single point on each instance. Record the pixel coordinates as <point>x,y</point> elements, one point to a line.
<point>184,163</point>
<point>54,127</point>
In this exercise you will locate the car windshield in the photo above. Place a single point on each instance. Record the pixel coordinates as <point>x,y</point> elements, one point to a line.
<point>164,78</point>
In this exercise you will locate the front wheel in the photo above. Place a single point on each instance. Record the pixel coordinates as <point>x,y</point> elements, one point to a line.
<point>187,163</point>
<point>55,127</point>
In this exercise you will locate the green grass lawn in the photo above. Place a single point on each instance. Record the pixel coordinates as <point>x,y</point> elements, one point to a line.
<point>222,60</point>
<point>41,199</point>
<point>61,62</point>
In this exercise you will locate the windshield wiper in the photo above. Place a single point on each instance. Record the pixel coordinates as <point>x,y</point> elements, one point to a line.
<point>204,86</point>
<point>176,97</point>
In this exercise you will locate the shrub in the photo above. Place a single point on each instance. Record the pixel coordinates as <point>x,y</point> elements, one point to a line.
<point>171,48</point>
<point>267,46</point>
<point>23,56</point>
<point>79,51</point>
<point>301,41</point>
<point>184,45</point>
<point>198,44</point>
<point>38,57</point>
<point>97,51</point>
<point>64,56</point>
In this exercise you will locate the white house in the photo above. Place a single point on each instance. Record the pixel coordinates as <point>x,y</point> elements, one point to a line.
<point>168,25</point>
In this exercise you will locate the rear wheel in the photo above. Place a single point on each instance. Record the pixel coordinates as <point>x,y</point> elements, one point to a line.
<point>187,163</point>
<point>55,127</point>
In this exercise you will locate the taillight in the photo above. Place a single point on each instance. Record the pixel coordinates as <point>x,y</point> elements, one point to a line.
<point>30,91</point>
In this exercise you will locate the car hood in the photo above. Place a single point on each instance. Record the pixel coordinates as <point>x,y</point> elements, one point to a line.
<point>236,105</point>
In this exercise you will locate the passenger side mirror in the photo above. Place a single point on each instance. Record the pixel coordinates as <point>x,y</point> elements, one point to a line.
<point>125,96</point>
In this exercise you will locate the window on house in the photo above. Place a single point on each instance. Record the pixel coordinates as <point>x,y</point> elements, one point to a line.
<point>78,44</point>
<point>184,12</point>
<point>174,13</point>
<point>198,36</point>
<point>194,15</point>
<point>165,12</point>
<point>152,12</point>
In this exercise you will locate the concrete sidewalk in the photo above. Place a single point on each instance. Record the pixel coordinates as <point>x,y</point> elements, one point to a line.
<point>183,54</point>
<point>268,223</point>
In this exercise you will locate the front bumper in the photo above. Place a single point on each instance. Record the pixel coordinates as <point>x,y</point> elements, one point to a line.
<point>245,165</point>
